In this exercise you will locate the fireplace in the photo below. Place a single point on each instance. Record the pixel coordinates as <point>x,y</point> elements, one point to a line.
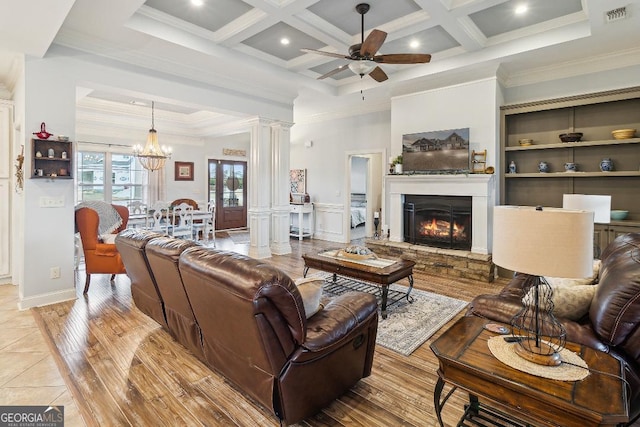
<point>439,221</point>
<point>480,187</point>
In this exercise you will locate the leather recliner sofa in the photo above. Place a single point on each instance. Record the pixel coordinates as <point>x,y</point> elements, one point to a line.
<point>247,322</point>
<point>613,322</point>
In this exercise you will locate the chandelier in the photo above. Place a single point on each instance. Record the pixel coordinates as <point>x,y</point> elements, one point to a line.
<point>152,157</point>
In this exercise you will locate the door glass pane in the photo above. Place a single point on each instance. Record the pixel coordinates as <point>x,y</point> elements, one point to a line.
<point>233,182</point>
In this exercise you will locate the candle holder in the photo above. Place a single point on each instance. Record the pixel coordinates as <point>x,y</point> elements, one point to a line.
<point>376,222</point>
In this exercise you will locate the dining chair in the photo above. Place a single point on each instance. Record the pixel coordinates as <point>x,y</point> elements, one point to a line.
<point>206,226</point>
<point>159,220</point>
<point>138,215</point>
<point>182,224</point>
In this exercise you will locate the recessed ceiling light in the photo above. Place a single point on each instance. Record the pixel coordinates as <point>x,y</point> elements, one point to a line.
<point>197,2</point>
<point>521,9</point>
<point>284,41</point>
<point>414,44</point>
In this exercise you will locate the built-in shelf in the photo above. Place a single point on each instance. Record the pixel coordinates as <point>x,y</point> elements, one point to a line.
<point>572,174</point>
<point>596,116</point>
<point>574,144</point>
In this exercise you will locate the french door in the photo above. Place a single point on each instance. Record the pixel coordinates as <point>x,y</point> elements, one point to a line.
<point>227,188</point>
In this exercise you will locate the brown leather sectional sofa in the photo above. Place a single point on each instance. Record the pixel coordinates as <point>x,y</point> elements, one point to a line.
<point>613,322</point>
<point>245,319</point>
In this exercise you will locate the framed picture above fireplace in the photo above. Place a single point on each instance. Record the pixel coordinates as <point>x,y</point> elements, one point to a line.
<point>442,151</point>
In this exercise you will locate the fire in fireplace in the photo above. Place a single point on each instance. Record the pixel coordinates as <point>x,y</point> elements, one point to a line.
<point>439,221</point>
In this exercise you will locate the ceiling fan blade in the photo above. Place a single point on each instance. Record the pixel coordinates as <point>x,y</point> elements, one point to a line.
<point>378,75</point>
<point>372,43</point>
<point>403,58</point>
<point>332,72</point>
<point>322,52</point>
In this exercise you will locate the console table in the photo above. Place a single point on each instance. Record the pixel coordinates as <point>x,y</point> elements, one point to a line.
<point>501,393</point>
<point>301,211</point>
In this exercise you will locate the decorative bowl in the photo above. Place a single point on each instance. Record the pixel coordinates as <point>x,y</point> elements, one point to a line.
<point>624,133</point>
<point>356,253</point>
<point>525,141</point>
<point>571,137</point>
<point>618,215</point>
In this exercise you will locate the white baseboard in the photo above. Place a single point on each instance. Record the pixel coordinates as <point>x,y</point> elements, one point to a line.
<point>46,299</point>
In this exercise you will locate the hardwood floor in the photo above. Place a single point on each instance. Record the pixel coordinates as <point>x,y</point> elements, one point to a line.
<point>123,369</point>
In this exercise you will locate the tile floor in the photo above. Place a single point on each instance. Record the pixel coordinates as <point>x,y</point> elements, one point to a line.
<point>28,372</point>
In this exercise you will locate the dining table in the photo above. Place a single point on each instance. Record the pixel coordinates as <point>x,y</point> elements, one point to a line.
<point>142,219</point>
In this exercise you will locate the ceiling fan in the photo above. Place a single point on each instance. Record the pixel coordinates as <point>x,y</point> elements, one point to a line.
<point>363,55</point>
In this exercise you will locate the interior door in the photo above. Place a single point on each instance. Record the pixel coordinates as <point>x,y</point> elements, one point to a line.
<point>227,187</point>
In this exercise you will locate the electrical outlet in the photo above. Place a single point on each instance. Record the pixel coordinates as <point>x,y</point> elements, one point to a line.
<point>54,273</point>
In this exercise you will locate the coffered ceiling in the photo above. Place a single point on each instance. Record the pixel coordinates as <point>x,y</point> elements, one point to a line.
<point>237,45</point>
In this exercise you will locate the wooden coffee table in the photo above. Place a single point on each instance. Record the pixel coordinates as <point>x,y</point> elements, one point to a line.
<point>383,277</point>
<point>497,391</point>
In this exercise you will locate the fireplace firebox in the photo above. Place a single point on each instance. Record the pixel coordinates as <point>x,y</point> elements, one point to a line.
<point>439,221</point>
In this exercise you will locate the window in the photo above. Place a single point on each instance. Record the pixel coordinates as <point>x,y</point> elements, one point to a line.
<point>112,177</point>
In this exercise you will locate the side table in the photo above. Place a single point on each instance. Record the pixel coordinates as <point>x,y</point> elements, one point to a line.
<point>300,212</point>
<point>499,392</point>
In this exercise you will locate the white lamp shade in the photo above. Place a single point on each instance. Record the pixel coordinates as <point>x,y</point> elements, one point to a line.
<point>548,242</point>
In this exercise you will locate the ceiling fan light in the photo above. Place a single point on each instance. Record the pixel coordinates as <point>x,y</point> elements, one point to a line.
<point>362,67</point>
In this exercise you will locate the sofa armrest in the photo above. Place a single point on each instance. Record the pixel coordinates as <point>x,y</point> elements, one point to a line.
<point>343,318</point>
<point>498,308</point>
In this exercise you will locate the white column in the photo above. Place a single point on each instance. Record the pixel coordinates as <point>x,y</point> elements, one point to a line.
<point>260,189</point>
<point>280,208</point>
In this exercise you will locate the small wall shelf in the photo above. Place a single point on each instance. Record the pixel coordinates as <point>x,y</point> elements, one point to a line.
<point>56,167</point>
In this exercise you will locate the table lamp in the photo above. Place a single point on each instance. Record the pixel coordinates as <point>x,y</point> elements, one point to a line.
<point>542,242</point>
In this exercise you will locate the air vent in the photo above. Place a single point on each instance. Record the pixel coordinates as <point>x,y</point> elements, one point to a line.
<point>616,14</point>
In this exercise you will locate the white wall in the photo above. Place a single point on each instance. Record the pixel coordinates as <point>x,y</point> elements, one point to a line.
<point>325,162</point>
<point>196,189</point>
<point>359,174</point>
<point>50,96</point>
<point>469,105</point>
<point>575,85</point>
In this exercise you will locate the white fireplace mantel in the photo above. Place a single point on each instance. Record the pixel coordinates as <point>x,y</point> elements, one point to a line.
<point>479,186</point>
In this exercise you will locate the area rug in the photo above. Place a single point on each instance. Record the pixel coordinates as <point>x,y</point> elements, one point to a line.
<point>409,325</point>
<point>239,237</point>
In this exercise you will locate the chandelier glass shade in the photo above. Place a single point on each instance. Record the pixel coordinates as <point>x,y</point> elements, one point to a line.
<point>152,157</point>
<point>362,67</point>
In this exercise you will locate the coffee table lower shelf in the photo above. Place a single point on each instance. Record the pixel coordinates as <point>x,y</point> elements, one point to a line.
<point>338,285</point>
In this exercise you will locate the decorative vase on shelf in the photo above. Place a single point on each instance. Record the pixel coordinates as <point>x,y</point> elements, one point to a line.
<point>512,167</point>
<point>606,165</point>
<point>543,167</point>
<point>398,168</point>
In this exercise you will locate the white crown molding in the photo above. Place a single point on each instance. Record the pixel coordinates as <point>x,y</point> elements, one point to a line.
<point>593,64</point>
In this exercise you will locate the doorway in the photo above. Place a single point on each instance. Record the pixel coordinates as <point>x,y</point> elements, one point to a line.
<point>358,196</point>
<point>364,186</point>
<point>228,190</point>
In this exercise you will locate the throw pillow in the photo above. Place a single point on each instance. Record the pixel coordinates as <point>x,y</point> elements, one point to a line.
<point>108,238</point>
<point>569,302</point>
<point>557,282</point>
<point>310,289</point>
